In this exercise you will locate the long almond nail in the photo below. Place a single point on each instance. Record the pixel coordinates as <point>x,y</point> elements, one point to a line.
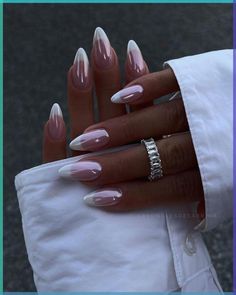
<point>56,125</point>
<point>80,70</point>
<point>83,171</point>
<point>90,141</point>
<point>103,55</point>
<point>101,198</point>
<point>134,58</point>
<point>127,95</point>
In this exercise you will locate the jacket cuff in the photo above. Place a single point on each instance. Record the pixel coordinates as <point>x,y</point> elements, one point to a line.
<point>206,84</point>
<point>73,247</point>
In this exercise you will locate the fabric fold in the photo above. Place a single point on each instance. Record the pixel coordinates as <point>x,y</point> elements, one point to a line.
<point>206,84</point>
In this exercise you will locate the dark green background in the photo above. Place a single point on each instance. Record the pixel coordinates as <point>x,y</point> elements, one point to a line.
<point>39,45</point>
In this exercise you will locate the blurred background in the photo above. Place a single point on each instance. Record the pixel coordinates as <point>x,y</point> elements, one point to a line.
<point>40,42</point>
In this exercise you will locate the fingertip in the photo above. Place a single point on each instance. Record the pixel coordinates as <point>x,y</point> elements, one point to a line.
<point>128,95</point>
<point>54,136</point>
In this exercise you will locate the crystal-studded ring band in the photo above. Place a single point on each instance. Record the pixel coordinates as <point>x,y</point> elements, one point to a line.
<point>154,159</point>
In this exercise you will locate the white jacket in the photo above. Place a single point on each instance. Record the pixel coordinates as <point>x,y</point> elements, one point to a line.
<point>73,247</point>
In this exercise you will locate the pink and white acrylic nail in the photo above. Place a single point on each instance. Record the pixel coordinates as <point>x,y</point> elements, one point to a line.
<point>90,141</point>
<point>82,170</point>
<point>81,73</point>
<point>102,50</point>
<point>104,197</point>
<point>56,125</point>
<point>135,61</point>
<point>128,94</point>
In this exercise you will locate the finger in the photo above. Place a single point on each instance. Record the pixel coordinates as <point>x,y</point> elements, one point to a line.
<point>147,88</point>
<point>176,153</point>
<point>135,67</point>
<point>185,187</point>
<point>80,99</point>
<point>154,121</point>
<point>106,75</point>
<point>54,136</point>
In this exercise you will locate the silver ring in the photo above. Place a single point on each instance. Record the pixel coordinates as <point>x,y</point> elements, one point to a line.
<point>154,159</point>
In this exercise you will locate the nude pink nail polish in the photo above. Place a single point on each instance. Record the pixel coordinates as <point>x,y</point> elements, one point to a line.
<point>127,95</point>
<point>90,141</point>
<point>80,70</point>
<point>101,198</point>
<point>102,50</point>
<point>82,170</point>
<point>134,58</point>
<point>56,125</point>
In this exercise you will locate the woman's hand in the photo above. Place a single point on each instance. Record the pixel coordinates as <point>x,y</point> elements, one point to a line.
<point>122,175</point>
<point>104,76</point>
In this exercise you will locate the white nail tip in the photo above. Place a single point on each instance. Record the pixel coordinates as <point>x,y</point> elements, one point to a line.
<point>116,98</point>
<point>88,199</point>
<point>65,171</point>
<point>100,34</point>
<point>81,55</point>
<point>56,111</point>
<point>132,45</point>
<point>75,144</point>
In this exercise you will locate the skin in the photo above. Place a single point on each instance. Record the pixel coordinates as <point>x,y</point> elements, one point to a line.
<point>181,181</point>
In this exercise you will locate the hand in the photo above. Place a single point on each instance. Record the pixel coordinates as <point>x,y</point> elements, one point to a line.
<point>122,175</point>
<point>105,76</point>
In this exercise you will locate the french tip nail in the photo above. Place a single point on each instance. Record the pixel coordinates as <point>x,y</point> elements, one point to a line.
<point>81,55</point>
<point>101,198</point>
<point>135,57</point>
<point>75,144</point>
<point>116,98</point>
<point>88,199</point>
<point>103,55</point>
<point>99,33</point>
<point>56,125</point>
<point>81,71</point>
<point>132,45</point>
<point>128,94</point>
<point>55,111</point>
<point>65,171</point>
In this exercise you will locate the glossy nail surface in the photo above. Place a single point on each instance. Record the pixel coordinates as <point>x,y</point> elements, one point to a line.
<point>127,95</point>
<point>102,50</point>
<point>56,125</point>
<point>80,70</point>
<point>90,141</point>
<point>134,58</point>
<point>107,197</point>
<point>83,170</point>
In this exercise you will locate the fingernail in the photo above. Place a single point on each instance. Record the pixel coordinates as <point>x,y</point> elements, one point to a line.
<point>128,94</point>
<point>135,58</point>
<point>80,69</point>
<point>107,197</point>
<point>102,49</point>
<point>83,170</point>
<point>56,125</point>
<point>90,141</point>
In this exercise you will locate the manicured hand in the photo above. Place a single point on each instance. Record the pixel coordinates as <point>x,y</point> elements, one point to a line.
<point>122,176</point>
<point>104,77</point>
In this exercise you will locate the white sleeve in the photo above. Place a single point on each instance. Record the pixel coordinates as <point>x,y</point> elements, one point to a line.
<point>206,84</point>
<point>73,247</point>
